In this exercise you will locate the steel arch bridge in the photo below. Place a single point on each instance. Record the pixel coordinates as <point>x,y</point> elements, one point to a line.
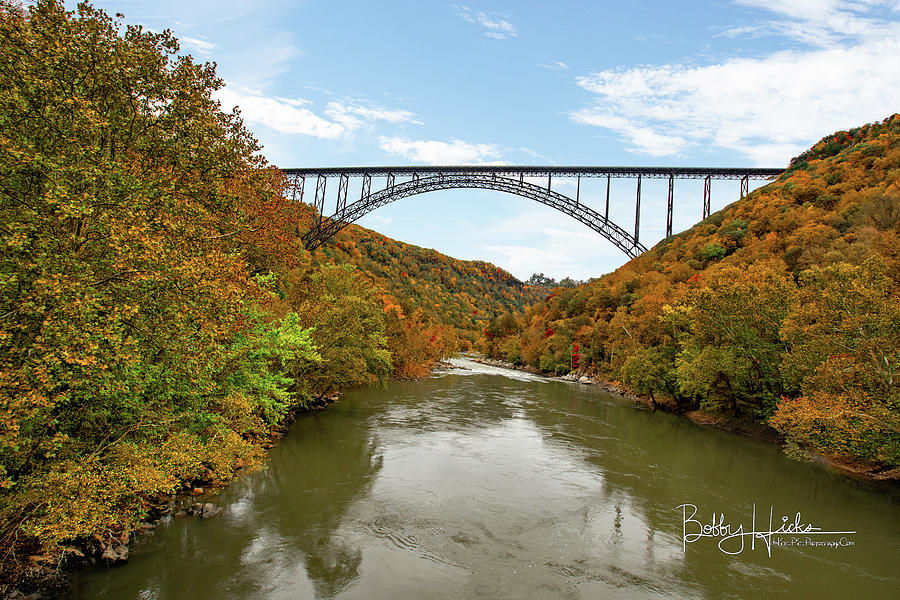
<point>509,179</point>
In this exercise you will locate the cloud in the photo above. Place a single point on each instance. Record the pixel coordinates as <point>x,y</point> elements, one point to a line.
<point>251,46</point>
<point>821,23</point>
<point>291,115</point>
<point>355,117</point>
<point>768,108</point>
<point>292,101</point>
<point>555,65</point>
<point>378,219</point>
<point>284,116</point>
<point>497,28</point>
<point>547,241</point>
<point>643,140</point>
<point>202,46</point>
<point>435,152</point>
<point>537,155</point>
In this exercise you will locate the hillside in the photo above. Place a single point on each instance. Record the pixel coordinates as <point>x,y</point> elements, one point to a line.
<point>465,295</point>
<point>781,308</point>
<point>161,319</point>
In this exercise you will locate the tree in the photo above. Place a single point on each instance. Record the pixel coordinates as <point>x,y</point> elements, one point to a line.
<point>130,334</point>
<point>651,370</point>
<point>542,280</point>
<point>731,357</point>
<point>348,328</point>
<point>844,336</point>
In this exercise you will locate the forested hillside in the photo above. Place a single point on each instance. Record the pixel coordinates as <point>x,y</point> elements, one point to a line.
<point>464,295</point>
<point>782,308</point>
<point>158,313</point>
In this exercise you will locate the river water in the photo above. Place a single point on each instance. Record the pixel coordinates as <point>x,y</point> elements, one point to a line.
<point>485,483</point>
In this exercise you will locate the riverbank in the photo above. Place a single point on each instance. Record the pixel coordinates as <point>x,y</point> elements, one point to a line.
<point>199,501</point>
<point>487,482</point>
<point>45,579</point>
<point>843,466</point>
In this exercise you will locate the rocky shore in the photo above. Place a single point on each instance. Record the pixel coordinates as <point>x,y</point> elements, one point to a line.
<point>573,377</point>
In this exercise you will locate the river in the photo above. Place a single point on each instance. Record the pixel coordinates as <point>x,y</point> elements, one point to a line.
<point>484,483</point>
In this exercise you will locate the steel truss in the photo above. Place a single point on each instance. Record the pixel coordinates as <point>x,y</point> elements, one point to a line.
<point>509,179</point>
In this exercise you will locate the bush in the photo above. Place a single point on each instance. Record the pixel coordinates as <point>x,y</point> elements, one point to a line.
<point>711,252</point>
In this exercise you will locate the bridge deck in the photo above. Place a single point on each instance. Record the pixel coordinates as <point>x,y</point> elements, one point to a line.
<point>505,178</point>
<point>544,171</point>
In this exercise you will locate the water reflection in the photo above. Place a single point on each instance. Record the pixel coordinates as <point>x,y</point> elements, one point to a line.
<point>471,484</point>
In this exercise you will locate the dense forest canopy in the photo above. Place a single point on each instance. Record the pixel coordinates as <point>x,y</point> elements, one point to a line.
<point>158,313</point>
<point>782,308</point>
<point>460,296</point>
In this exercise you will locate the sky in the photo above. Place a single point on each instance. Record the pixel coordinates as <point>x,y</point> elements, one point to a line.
<point>737,83</point>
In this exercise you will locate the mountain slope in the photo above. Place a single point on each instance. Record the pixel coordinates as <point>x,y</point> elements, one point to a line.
<point>780,308</point>
<point>465,295</point>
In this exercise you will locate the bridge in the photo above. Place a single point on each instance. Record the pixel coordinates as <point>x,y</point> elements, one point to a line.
<point>401,182</point>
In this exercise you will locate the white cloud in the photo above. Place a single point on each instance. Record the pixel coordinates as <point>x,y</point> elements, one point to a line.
<point>252,45</point>
<point>555,65</point>
<point>555,245</point>
<point>292,101</point>
<point>644,140</point>
<point>354,117</point>
<point>291,115</point>
<point>285,116</point>
<point>497,28</point>
<point>435,152</point>
<point>537,155</point>
<point>202,46</point>
<point>379,220</point>
<point>822,23</point>
<point>768,108</point>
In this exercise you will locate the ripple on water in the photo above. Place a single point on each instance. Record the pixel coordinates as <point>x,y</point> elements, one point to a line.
<point>498,484</point>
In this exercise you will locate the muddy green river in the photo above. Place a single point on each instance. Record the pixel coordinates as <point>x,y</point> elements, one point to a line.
<point>485,483</point>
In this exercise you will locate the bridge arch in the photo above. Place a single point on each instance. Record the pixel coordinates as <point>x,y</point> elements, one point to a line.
<point>326,227</point>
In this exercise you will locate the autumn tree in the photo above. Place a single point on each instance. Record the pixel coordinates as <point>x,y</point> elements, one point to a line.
<point>845,350</point>
<point>732,355</point>
<point>348,327</point>
<point>133,356</point>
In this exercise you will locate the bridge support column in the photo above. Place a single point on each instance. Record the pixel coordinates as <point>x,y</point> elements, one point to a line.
<point>606,214</point>
<point>707,189</point>
<point>389,183</point>
<point>637,210</point>
<point>321,180</point>
<point>299,181</point>
<point>578,191</point>
<point>343,188</point>
<point>366,186</point>
<point>745,187</point>
<point>670,204</point>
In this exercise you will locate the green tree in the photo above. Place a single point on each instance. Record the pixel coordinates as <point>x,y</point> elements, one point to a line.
<point>651,371</point>
<point>348,328</point>
<point>263,361</point>
<point>731,357</point>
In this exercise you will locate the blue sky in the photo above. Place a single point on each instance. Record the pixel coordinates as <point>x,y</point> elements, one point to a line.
<point>702,83</point>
